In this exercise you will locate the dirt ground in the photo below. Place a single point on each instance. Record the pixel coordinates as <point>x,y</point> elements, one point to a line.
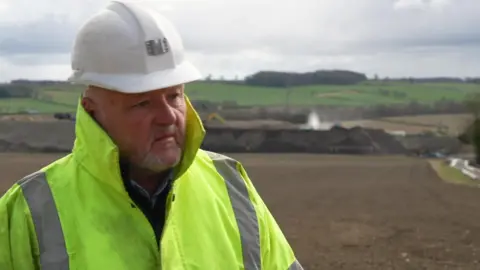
<point>341,212</point>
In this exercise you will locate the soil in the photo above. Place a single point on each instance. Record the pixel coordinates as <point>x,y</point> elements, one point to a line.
<point>345,212</point>
<point>58,137</point>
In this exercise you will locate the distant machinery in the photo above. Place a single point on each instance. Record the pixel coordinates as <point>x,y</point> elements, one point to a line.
<point>213,116</point>
<point>64,116</point>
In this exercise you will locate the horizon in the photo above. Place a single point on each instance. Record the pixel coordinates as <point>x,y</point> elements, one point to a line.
<point>220,78</point>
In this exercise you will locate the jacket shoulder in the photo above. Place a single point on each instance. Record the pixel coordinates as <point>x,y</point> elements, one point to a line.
<point>16,225</point>
<point>31,183</point>
<point>16,191</point>
<point>217,157</point>
<point>35,180</point>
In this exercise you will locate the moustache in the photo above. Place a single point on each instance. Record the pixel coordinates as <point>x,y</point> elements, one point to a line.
<point>163,132</point>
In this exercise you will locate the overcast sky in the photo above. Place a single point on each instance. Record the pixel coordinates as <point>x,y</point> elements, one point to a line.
<point>239,37</point>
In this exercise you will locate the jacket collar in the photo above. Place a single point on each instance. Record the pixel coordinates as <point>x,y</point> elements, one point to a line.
<point>99,155</point>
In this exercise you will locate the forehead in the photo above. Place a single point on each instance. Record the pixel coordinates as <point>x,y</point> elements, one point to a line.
<point>149,94</point>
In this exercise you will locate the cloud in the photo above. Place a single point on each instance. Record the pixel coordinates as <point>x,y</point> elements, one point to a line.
<point>233,36</point>
<point>10,71</point>
<point>3,7</point>
<point>48,35</point>
<point>422,4</point>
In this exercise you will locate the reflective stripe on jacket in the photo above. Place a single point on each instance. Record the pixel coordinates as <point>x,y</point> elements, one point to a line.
<point>76,214</point>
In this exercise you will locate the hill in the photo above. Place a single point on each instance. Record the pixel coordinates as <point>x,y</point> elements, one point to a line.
<point>64,97</point>
<point>363,94</point>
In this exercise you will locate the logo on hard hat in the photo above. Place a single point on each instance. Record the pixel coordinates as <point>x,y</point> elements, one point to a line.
<point>157,46</point>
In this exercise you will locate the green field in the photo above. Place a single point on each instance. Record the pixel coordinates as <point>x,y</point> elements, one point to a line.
<point>19,105</point>
<point>351,95</point>
<point>365,94</point>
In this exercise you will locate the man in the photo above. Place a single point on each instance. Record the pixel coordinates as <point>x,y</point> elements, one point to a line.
<point>137,192</point>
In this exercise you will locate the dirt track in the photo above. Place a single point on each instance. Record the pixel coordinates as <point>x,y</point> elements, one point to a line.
<point>354,212</point>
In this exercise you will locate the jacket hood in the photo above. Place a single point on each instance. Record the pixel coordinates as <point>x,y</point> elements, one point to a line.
<point>94,149</point>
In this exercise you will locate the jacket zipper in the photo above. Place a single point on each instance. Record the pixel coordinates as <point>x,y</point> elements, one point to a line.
<point>168,203</point>
<point>138,209</point>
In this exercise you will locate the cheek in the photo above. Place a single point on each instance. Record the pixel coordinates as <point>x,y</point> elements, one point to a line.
<point>181,125</point>
<point>138,131</point>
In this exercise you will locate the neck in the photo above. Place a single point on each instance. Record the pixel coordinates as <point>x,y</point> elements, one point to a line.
<point>147,179</point>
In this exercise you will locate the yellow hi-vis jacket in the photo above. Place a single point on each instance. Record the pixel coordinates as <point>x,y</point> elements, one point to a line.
<point>76,214</point>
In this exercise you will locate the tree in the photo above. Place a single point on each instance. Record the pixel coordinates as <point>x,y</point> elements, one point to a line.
<point>289,79</point>
<point>473,105</point>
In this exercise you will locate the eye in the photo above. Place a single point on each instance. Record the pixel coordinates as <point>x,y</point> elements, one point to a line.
<point>174,96</point>
<point>142,103</point>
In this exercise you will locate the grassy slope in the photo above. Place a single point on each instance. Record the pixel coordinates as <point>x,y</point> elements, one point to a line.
<point>456,123</point>
<point>351,95</point>
<point>365,94</point>
<point>451,175</point>
<point>69,98</point>
<point>16,105</point>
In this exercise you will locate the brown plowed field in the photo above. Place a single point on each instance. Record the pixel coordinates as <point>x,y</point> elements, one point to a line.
<point>354,212</point>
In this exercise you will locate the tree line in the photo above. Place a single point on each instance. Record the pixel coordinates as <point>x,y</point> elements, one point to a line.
<point>15,91</point>
<point>287,79</point>
<point>328,77</point>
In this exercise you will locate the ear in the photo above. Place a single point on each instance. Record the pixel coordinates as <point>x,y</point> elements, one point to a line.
<point>88,105</point>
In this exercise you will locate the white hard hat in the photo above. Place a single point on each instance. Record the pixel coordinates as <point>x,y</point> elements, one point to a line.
<point>130,48</point>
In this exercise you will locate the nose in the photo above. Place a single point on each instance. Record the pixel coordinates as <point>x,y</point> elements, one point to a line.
<point>164,113</point>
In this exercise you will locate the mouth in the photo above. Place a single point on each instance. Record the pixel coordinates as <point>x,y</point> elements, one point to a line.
<point>164,138</point>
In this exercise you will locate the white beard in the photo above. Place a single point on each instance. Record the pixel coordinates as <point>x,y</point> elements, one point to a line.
<point>156,164</point>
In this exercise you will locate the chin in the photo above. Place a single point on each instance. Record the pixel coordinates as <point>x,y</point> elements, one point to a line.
<point>163,159</point>
<point>169,154</point>
<point>170,160</point>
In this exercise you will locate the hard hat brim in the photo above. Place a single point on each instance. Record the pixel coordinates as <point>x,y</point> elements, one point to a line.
<point>139,83</point>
